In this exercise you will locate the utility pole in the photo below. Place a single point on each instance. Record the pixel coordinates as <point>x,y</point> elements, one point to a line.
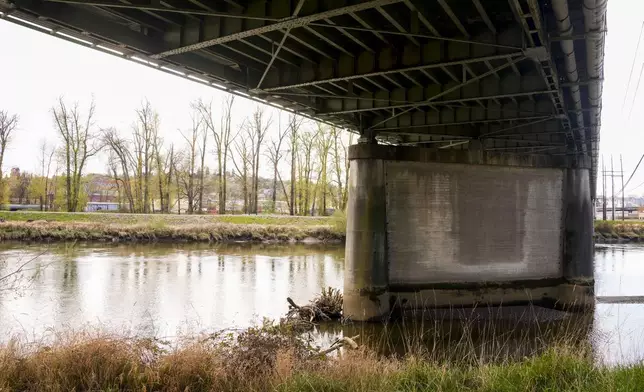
<point>604,215</point>
<point>612,178</point>
<point>621,169</point>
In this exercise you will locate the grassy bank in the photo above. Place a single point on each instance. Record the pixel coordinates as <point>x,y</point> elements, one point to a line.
<point>274,356</point>
<point>269,359</point>
<point>46,226</point>
<point>162,219</point>
<point>619,231</point>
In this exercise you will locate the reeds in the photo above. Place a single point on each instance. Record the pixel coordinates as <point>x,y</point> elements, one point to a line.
<point>487,349</point>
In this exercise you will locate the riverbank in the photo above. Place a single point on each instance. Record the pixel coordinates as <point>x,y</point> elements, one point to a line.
<point>117,227</point>
<point>270,359</point>
<point>114,227</point>
<point>619,231</point>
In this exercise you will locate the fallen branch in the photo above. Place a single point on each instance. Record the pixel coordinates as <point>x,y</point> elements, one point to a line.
<point>339,343</point>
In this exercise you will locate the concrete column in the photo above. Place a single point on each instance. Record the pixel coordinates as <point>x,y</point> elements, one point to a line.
<point>578,268</point>
<point>366,274</point>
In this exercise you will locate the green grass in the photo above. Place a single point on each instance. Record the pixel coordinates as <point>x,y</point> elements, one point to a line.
<point>120,218</point>
<point>630,230</point>
<point>199,232</point>
<point>559,369</point>
<point>113,227</point>
<point>273,356</point>
<point>269,359</point>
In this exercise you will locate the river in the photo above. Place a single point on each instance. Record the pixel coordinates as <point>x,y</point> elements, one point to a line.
<point>173,290</point>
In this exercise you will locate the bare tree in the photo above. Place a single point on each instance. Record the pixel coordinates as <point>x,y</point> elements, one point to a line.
<point>275,154</point>
<point>243,163</point>
<point>79,146</point>
<point>256,129</point>
<point>345,194</point>
<point>223,141</point>
<point>145,134</point>
<point>125,158</point>
<point>179,176</point>
<point>189,169</point>
<point>8,123</point>
<point>295,122</point>
<point>113,172</point>
<point>165,170</point>
<point>306,166</point>
<point>338,165</point>
<point>202,171</point>
<point>46,157</point>
<point>323,146</point>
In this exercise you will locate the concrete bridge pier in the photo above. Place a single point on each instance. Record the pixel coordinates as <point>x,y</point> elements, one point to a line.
<point>433,228</point>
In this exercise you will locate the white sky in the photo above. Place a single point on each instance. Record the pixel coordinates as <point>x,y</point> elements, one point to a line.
<point>38,68</point>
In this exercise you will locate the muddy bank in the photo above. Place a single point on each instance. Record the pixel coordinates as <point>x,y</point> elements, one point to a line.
<point>44,231</point>
<point>617,232</point>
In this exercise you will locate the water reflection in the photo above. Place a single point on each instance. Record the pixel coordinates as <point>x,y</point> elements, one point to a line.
<point>484,334</point>
<point>162,289</point>
<point>166,290</point>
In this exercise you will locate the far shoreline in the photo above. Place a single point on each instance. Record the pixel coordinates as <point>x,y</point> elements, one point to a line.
<point>156,228</point>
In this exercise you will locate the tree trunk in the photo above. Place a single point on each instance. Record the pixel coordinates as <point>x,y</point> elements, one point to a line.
<point>293,155</point>
<point>274,198</point>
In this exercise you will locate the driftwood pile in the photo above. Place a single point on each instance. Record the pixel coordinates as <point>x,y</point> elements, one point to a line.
<point>325,307</point>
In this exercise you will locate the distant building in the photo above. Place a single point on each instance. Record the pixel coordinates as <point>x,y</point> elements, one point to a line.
<point>101,189</point>
<point>95,206</point>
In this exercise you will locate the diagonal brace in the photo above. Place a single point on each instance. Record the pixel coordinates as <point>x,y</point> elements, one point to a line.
<point>283,24</point>
<point>279,47</point>
<point>449,90</point>
<point>397,70</point>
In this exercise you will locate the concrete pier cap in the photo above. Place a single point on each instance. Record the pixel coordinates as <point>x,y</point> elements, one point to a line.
<point>430,228</point>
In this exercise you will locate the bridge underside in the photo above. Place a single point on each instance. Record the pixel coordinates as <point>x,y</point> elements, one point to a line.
<point>493,109</point>
<point>436,73</point>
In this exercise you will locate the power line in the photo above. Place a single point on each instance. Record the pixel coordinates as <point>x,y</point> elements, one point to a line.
<point>632,174</point>
<point>637,187</point>
<point>630,75</point>
<point>636,88</point>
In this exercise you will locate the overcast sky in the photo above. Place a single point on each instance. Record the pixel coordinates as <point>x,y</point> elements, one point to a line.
<point>37,68</point>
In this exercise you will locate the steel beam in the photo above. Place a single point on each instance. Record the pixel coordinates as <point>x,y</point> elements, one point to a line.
<point>547,68</point>
<point>484,16</point>
<point>298,7</point>
<point>437,103</point>
<point>454,144</point>
<point>421,17</point>
<point>349,35</point>
<point>367,26</point>
<point>458,86</point>
<point>144,7</point>
<point>458,123</point>
<point>397,70</point>
<point>328,40</point>
<point>536,121</point>
<point>397,25</point>
<point>282,24</point>
<point>538,148</point>
<point>453,17</point>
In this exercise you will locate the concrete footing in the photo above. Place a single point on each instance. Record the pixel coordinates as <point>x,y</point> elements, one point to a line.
<point>433,228</point>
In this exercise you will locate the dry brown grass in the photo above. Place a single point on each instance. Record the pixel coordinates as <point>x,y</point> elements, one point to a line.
<point>270,358</point>
<point>203,232</point>
<point>618,230</point>
<point>255,359</point>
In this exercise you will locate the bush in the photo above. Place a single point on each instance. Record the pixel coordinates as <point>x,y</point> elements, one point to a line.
<point>339,222</point>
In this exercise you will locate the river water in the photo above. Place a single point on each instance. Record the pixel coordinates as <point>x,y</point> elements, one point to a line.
<point>172,290</point>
